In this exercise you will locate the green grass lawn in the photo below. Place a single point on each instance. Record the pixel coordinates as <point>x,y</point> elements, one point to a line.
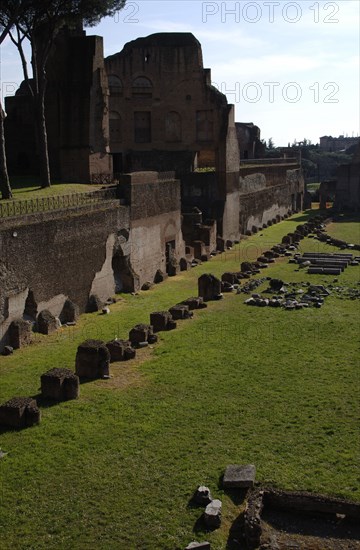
<point>347,228</point>
<point>116,468</point>
<point>26,187</point>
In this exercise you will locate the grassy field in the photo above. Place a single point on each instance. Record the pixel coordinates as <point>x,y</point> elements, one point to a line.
<point>346,228</point>
<point>116,468</point>
<point>26,188</point>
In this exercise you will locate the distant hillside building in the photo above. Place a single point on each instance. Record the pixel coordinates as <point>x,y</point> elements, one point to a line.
<point>331,144</point>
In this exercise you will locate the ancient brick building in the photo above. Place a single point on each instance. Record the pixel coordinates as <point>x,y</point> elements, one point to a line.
<point>164,112</point>
<point>76,111</point>
<point>250,144</point>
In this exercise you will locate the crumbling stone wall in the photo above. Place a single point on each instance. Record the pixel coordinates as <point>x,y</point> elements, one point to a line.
<point>348,184</point>
<point>49,258</point>
<point>259,207</point>
<point>55,256</point>
<point>155,216</point>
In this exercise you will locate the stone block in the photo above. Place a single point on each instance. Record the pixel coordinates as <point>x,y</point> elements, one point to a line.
<point>129,353</point>
<point>20,333</point>
<point>160,276</point>
<point>173,268</point>
<point>229,277</point>
<point>199,249</point>
<point>140,333</point>
<point>246,267</point>
<point>92,360</point>
<point>69,313</point>
<point>198,545</point>
<point>94,304</point>
<point>212,514</point>
<point>46,322</point>
<point>19,412</point>
<point>184,264</point>
<point>209,287</point>
<point>60,385</point>
<point>180,312</point>
<point>276,284</point>
<point>159,320</point>
<point>239,476</point>
<point>202,496</point>
<point>117,350</point>
<point>8,350</point>
<point>147,286</point>
<point>194,303</point>
<point>220,244</point>
<point>226,287</point>
<point>153,338</point>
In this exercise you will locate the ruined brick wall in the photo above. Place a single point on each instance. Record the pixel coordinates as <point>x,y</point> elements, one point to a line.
<point>275,173</point>
<point>155,215</point>
<point>57,257</point>
<point>260,206</point>
<point>348,184</point>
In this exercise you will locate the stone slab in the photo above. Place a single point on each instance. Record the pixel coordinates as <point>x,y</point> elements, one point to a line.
<point>199,545</point>
<point>239,476</point>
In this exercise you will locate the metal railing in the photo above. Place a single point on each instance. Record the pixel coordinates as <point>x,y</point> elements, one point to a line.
<point>15,207</point>
<point>256,162</point>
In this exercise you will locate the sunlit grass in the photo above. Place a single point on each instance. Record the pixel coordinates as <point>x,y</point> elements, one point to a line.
<point>116,468</point>
<point>25,188</point>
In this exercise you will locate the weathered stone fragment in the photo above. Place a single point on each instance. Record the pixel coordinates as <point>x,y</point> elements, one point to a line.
<point>46,322</point>
<point>198,545</point>
<point>194,303</point>
<point>92,360</point>
<point>202,496</point>
<point>8,350</point>
<point>212,514</point>
<point>20,333</point>
<point>159,320</point>
<point>184,264</point>
<point>140,333</point>
<point>160,276</point>
<point>94,304</point>
<point>60,385</point>
<point>117,350</point>
<point>209,287</point>
<point>69,313</point>
<point>238,476</point>
<point>180,312</point>
<point>19,412</point>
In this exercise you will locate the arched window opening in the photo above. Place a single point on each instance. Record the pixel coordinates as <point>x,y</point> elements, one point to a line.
<point>142,87</point>
<point>115,85</point>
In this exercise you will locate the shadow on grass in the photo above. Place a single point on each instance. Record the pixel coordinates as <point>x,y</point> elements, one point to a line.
<point>347,218</point>
<point>235,539</point>
<point>314,525</point>
<point>308,214</point>
<point>200,528</point>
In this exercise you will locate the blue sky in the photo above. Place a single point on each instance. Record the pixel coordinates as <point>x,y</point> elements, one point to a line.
<point>292,68</point>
